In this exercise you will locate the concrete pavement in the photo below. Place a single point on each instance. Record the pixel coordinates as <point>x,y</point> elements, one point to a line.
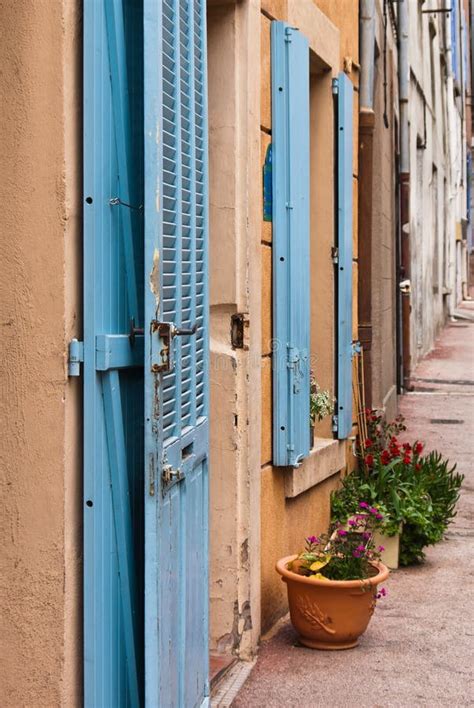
<point>418,649</point>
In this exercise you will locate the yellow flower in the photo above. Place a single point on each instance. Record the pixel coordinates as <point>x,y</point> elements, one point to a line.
<point>317,576</point>
<point>317,565</point>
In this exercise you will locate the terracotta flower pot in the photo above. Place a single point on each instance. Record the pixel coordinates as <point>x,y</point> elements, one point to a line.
<point>330,614</point>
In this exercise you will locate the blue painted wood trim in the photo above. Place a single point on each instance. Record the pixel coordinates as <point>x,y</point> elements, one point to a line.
<point>122,523</point>
<point>120,101</point>
<point>344,265</point>
<point>291,291</point>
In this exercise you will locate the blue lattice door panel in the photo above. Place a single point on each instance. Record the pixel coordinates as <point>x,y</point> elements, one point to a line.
<point>176,360</point>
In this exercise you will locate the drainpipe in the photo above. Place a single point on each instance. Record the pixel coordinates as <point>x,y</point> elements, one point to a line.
<point>365,186</point>
<point>404,181</point>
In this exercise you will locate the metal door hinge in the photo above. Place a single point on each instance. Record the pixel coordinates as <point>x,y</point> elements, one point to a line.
<point>335,423</point>
<point>335,86</point>
<point>356,348</point>
<point>335,255</point>
<point>75,358</point>
<point>239,330</point>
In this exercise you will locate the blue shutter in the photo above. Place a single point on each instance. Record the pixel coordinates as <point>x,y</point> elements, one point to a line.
<point>176,359</point>
<point>291,295</point>
<point>344,264</point>
<point>113,366</point>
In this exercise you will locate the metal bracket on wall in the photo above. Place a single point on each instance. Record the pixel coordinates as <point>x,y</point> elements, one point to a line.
<point>239,330</point>
<point>356,348</point>
<point>75,358</point>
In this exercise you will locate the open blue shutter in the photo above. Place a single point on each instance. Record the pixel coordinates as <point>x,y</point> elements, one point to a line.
<point>344,264</point>
<point>291,291</point>
<point>113,365</point>
<point>176,354</point>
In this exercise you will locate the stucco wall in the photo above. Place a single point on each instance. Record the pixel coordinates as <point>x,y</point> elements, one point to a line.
<point>383,262</point>
<point>40,518</point>
<point>286,521</point>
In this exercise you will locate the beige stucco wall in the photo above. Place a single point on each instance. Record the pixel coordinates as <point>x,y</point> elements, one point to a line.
<point>286,521</point>
<point>384,375</point>
<point>234,263</point>
<point>39,415</point>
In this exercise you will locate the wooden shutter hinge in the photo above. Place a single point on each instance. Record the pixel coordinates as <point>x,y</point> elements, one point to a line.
<point>75,357</point>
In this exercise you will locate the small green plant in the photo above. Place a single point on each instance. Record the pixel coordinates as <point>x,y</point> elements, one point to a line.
<point>346,552</point>
<point>417,491</point>
<point>321,403</point>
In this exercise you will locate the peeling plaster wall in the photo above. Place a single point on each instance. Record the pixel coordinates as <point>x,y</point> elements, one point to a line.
<point>39,413</point>
<point>235,206</point>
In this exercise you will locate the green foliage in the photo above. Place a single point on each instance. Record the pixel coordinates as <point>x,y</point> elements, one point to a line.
<point>439,487</point>
<point>420,492</point>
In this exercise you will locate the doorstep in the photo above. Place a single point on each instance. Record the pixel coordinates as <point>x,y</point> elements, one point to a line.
<point>227,688</point>
<point>219,664</point>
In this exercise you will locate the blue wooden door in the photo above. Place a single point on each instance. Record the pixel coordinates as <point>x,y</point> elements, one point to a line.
<point>113,360</point>
<point>176,354</point>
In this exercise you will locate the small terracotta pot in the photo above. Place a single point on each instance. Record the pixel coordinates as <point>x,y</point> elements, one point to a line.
<point>330,614</point>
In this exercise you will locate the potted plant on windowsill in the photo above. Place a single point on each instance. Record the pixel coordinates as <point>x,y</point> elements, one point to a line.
<point>333,584</point>
<point>321,404</point>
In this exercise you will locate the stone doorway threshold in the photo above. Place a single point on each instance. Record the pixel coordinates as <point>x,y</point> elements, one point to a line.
<point>227,675</point>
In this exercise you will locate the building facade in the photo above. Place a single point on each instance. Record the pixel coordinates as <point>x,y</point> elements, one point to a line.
<point>203,203</point>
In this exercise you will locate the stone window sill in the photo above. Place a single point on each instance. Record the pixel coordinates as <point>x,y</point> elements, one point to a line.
<point>326,458</point>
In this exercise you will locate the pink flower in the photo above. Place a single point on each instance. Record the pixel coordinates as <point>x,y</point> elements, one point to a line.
<point>366,535</point>
<point>342,532</point>
<point>351,522</point>
<point>381,548</point>
<point>312,539</point>
<point>363,505</point>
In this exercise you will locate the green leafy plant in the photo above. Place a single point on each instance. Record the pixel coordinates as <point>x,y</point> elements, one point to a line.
<point>346,552</point>
<point>321,403</point>
<point>417,491</point>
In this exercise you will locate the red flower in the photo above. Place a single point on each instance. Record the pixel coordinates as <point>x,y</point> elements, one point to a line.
<point>418,448</point>
<point>385,457</point>
<point>393,440</point>
<point>418,467</point>
<point>407,446</point>
<point>369,460</point>
<point>407,459</point>
<point>368,443</point>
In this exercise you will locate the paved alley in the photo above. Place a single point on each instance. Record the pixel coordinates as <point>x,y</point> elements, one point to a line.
<point>418,649</point>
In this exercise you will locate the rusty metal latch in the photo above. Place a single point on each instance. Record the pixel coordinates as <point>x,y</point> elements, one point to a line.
<point>170,477</point>
<point>163,361</point>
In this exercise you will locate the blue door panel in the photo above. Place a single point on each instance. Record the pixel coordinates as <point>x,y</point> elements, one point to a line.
<point>113,394</point>
<point>344,266</point>
<point>176,395</point>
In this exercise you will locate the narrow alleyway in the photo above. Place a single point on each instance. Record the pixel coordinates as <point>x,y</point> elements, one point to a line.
<point>418,649</point>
